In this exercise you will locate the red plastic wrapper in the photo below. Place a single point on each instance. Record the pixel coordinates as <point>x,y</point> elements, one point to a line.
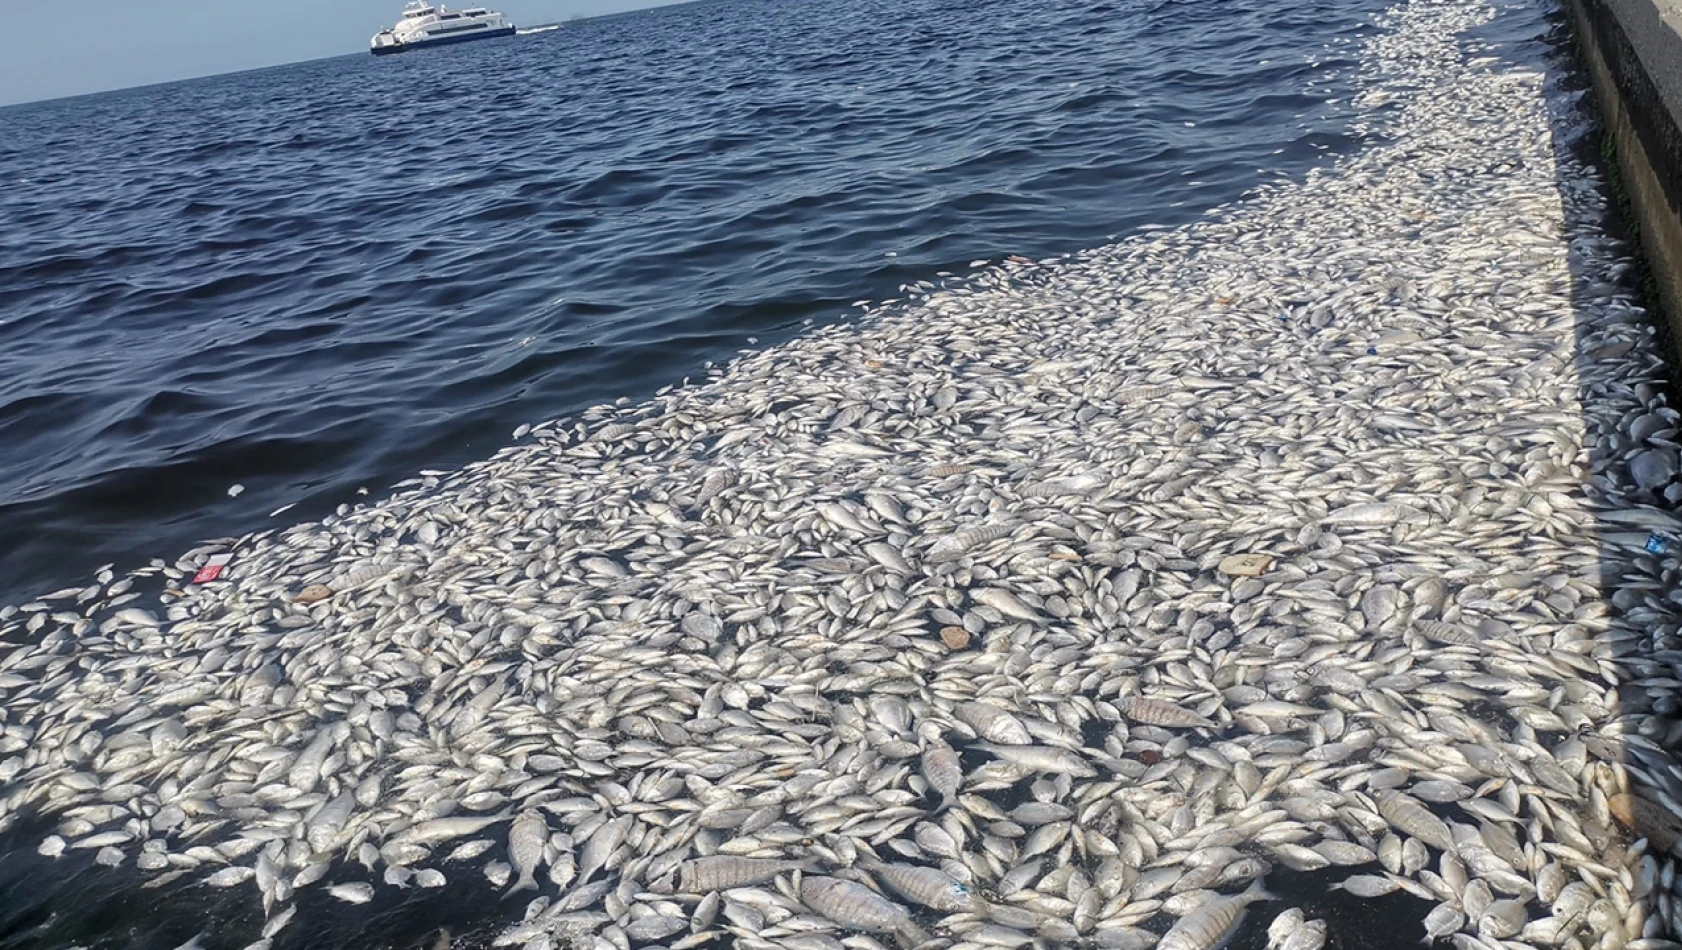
<point>212,569</point>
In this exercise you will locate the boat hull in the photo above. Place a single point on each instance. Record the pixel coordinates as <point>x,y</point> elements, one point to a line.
<point>444,41</point>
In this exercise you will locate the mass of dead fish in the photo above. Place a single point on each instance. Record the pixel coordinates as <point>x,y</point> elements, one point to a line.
<point>1060,606</point>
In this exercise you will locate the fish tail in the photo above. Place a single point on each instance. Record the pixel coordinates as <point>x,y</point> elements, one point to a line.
<point>525,883</point>
<point>911,936</point>
<point>805,864</point>
<point>1257,891</point>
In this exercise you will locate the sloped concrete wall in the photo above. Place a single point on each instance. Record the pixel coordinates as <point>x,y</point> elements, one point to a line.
<point>1633,50</point>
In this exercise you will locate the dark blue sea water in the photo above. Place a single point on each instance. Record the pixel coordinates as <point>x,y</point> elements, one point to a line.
<point>323,277</point>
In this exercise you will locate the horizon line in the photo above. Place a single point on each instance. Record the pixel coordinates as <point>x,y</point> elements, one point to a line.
<point>577,18</point>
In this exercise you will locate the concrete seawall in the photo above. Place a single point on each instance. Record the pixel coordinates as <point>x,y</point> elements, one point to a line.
<point>1633,51</point>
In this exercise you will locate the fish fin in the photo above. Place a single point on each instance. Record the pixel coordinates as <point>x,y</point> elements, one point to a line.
<point>1257,891</point>
<point>525,883</point>
<point>912,936</point>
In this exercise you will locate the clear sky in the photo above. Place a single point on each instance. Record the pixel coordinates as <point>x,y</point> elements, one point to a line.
<point>59,48</point>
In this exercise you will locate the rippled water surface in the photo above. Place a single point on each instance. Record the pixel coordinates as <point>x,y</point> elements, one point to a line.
<point>323,277</point>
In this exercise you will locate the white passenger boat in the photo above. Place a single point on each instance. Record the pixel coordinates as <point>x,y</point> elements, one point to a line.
<point>426,24</point>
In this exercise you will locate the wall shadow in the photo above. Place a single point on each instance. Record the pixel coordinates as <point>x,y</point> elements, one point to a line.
<point>1628,467</point>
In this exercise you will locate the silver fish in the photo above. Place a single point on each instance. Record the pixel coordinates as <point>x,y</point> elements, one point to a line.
<point>1157,712</point>
<point>1283,926</point>
<point>1213,923</point>
<point>1411,818</point>
<point>601,845</point>
<point>1041,758</point>
<point>1310,936</point>
<point>855,906</point>
<point>355,893</point>
<point>940,767</point>
<point>993,723</point>
<point>926,886</point>
<point>527,835</point>
<point>725,871</point>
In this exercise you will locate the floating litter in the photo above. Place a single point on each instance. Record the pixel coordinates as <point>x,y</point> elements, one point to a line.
<point>313,594</point>
<point>212,569</point>
<point>1245,565</point>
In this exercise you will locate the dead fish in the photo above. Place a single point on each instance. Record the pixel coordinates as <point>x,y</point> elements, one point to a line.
<point>1283,926</point>
<point>1444,919</point>
<point>601,845</point>
<point>1040,758</point>
<point>926,886</point>
<point>1157,712</point>
<point>1502,919</point>
<point>356,893</point>
<point>1310,936</point>
<point>1448,633</point>
<point>1375,515</point>
<point>993,723</point>
<point>1413,819</point>
<point>960,543</point>
<point>1367,885</point>
<point>228,877</point>
<point>857,907</point>
<point>527,835</point>
<point>888,556</point>
<point>446,829</point>
<point>1212,924</point>
<point>941,768</point>
<point>725,871</point>
<point>1007,603</point>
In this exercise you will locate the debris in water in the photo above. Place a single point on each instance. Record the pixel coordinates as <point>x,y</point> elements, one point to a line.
<point>313,594</point>
<point>212,569</point>
<point>1245,565</point>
